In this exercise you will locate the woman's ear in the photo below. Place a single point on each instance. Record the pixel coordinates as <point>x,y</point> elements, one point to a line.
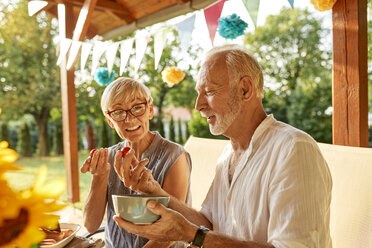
<point>109,122</point>
<point>246,88</point>
<point>151,107</point>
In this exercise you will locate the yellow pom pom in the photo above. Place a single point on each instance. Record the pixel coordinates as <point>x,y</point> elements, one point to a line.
<point>323,5</point>
<point>172,75</point>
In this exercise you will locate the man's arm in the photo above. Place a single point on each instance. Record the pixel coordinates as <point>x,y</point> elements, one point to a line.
<point>172,226</point>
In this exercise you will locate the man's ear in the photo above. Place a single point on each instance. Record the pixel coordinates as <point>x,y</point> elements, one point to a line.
<point>246,89</point>
<point>151,107</point>
<point>109,122</point>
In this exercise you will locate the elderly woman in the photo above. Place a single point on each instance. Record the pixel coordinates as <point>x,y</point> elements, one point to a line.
<point>127,106</point>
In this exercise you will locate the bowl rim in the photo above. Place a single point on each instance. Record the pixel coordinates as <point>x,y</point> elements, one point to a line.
<point>141,196</point>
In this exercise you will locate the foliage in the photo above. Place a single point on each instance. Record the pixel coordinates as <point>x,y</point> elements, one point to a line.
<point>296,63</point>
<point>179,129</point>
<point>172,131</point>
<point>28,72</point>
<point>187,129</point>
<point>24,144</point>
<point>4,134</point>
<point>58,138</point>
<point>90,135</point>
<point>104,137</point>
<point>160,128</point>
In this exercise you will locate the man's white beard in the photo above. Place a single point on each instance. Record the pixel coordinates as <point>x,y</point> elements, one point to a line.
<point>223,122</point>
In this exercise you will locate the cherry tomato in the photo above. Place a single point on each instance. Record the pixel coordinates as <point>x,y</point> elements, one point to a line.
<point>92,152</point>
<point>125,150</point>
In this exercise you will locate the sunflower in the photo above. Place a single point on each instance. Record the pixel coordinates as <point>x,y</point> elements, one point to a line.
<point>34,207</point>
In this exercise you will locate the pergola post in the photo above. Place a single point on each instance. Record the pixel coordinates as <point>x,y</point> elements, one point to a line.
<point>69,116</point>
<point>350,83</point>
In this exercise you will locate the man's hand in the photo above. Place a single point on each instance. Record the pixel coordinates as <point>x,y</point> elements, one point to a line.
<point>171,226</point>
<point>97,164</point>
<point>135,176</point>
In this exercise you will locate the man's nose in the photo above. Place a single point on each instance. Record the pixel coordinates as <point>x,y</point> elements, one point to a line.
<point>200,103</point>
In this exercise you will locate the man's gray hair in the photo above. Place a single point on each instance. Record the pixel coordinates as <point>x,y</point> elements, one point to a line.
<point>240,63</point>
<point>123,90</point>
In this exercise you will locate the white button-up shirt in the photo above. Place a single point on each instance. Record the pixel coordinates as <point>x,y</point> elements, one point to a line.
<point>280,192</point>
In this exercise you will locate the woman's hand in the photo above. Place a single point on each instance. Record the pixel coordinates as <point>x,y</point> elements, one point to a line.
<point>135,176</point>
<point>97,163</point>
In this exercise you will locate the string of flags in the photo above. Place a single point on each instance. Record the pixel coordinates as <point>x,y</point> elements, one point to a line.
<point>229,27</point>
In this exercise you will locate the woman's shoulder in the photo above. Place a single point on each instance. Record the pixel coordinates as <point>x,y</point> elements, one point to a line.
<point>167,145</point>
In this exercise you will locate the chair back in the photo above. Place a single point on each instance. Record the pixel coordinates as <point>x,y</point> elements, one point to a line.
<point>204,155</point>
<point>351,170</point>
<point>351,204</point>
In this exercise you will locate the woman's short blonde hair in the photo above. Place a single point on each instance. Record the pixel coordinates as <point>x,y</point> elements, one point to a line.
<point>240,63</point>
<point>123,90</point>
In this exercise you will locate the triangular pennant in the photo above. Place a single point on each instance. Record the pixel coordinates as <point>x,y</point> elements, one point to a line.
<point>125,50</point>
<point>252,8</point>
<point>98,50</point>
<point>35,6</point>
<point>75,47</point>
<point>185,29</point>
<point>65,45</point>
<point>110,55</point>
<point>141,44</point>
<point>291,2</point>
<point>160,38</point>
<point>85,50</point>
<point>211,15</point>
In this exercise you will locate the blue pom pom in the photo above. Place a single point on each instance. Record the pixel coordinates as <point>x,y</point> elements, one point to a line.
<point>231,26</point>
<point>102,76</point>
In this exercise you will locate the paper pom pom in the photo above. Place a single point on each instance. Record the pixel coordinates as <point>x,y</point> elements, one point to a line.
<point>231,26</point>
<point>323,5</point>
<point>172,75</point>
<point>102,76</point>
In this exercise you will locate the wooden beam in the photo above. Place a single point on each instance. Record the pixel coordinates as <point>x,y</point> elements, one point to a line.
<point>105,5</point>
<point>69,120</point>
<point>350,85</point>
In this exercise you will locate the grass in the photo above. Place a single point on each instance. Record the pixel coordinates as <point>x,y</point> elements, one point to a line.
<point>25,178</point>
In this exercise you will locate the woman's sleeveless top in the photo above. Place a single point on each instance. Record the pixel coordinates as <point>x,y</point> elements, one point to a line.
<point>162,155</point>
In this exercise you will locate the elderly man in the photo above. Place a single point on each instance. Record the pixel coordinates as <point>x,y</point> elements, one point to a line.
<point>272,187</point>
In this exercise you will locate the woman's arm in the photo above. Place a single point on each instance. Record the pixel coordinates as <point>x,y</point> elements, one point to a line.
<point>94,206</point>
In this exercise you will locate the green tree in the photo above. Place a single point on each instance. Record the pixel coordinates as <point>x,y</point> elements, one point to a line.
<point>24,144</point>
<point>4,132</point>
<point>58,138</point>
<point>28,72</point>
<point>172,131</point>
<point>180,136</point>
<point>104,140</point>
<point>297,69</point>
<point>198,126</point>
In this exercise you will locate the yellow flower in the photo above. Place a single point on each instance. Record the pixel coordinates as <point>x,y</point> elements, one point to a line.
<point>35,206</point>
<point>172,75</point>
<point>323,5</point>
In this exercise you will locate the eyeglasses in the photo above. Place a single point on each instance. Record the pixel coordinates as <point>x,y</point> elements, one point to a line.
<point>121,114</point>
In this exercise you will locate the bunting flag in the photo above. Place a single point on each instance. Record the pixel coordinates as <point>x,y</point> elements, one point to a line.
<point>98,49</point>
<point>64,46</point>
<point>141,44</point>
<point>85,51</point>
<point>291,2</point>
<point>211,15</point>
<point>74,50</point>
<point>125,49</point>
<point>185,29</point>
<point>160,38</point>
<point>110,55</point>
<point>35,6</point>
<point>252,8</point>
